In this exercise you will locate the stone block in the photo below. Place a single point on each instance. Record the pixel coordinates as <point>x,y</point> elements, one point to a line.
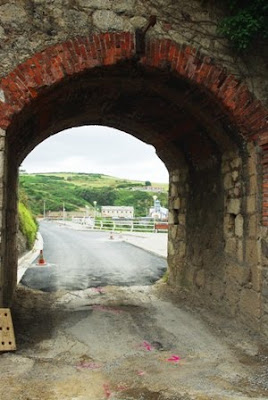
<point>174,190</point>
<point>234,206</point>
<point>232,295</point>
<point>177,232</point>
<point>107,20</point>
<point>200,278</point>
<point>218,288</point>
<point>250,303</point>
<point>264,248</point>
<point>227,181</point>
<point>171,218</point>
<point>229,225</point>
<point>253,252</point>
<point>236,273</point>
<point>253,185</point>
<point>225,167</point>
<point>182,219</point>
<point>239,223</point>
<point>256,277</point>
<point>188,277</point>
<point>176,203</point>
<point>236,163</point>
<point>231,247</point>
<point>252,164</point>
<point>171,250</point>
<point>240,250</point>
<point>253,226</point>
<point>175,176</point>
<point>181,249</point>
<point>251,204</point>
<point>121,6</point>
<point>235,175</point>
<point>2,143</point>
<point>104,4</point>
<point>138,22</point>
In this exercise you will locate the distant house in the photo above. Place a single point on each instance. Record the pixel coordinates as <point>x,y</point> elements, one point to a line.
<point>152,189</point>
<point>117,212</point>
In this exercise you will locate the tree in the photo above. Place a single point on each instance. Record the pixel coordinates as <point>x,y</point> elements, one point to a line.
<point>148,183</point>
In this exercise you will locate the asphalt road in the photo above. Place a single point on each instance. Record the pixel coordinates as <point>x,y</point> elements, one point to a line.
<point>77,260</point>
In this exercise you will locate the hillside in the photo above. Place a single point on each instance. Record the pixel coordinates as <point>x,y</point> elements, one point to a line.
<point>77,190</point>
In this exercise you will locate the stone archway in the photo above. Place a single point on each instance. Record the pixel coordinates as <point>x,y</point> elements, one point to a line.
<point>205,126</point>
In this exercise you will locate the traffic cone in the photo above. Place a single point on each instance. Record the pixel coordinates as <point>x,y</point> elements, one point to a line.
<point>111,236</point>
<point>41,260</point>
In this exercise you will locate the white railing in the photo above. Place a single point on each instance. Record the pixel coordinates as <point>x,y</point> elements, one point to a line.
<point>121,225</point>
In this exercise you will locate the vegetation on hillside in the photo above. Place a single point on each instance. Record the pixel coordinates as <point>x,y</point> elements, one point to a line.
<point>245,22</point>
<point>75,191</point>
<point>27,224</point>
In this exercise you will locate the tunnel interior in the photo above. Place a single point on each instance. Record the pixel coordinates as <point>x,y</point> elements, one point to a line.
<point>202,148</point>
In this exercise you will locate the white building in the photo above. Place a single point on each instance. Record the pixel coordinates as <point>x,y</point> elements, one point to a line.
<point>158,212</point>
<point>117,212</point>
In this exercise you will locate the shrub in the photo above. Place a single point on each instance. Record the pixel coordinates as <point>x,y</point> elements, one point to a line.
<point>27,225</point>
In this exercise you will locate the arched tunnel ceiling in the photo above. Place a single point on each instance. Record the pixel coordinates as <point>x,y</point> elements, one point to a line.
<point>154,106</point>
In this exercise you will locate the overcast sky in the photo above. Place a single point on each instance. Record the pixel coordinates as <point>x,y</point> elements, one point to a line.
<point>97,149</point>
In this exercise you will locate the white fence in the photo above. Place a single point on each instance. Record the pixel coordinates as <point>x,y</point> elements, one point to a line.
<point>121,225</point>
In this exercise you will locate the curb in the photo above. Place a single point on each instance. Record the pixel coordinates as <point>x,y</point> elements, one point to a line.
<point>145,249</point>
<point>25,261</point>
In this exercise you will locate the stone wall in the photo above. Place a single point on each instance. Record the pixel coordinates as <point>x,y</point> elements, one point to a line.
<point>188,95</point>
<point>215,254</point>
<point>29,26</point>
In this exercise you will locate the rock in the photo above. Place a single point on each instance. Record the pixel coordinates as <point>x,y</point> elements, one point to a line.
<point>109,21</point>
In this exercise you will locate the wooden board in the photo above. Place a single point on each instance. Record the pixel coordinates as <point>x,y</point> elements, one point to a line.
<point>7,338</point>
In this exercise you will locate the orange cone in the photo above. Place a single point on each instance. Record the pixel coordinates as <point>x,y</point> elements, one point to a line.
<point>41,260</point>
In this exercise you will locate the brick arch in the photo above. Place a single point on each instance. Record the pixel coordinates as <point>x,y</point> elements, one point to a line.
<point>74,56</point>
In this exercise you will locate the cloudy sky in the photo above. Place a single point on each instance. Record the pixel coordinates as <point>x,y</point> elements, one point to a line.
<point>97,149</point>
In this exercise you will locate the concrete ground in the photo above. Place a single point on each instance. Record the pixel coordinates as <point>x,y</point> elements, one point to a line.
<point>152,242</point>
<point>128,343</point>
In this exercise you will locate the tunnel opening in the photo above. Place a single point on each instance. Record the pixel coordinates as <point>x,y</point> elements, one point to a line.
<point>214,195</point>
<point>90,220</point>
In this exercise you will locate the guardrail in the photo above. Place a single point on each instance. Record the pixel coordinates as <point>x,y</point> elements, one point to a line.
<point>120,225</point>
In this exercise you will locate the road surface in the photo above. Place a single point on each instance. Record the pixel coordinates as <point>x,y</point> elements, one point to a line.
<point>121,342</point>
<point>127,343</point>
<point>77,260</point>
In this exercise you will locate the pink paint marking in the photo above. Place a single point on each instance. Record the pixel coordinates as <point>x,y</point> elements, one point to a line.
<point>141,373</point>
<point>88,365</point>
<point>174,358</point>
<point>147,346</point>
<point>98,290</point>
<point>107,390</point>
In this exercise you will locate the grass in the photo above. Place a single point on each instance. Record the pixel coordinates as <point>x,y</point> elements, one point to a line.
<point>75,191</point>
<point>27,225</point>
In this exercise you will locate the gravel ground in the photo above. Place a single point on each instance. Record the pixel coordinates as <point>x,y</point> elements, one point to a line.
<point>126,343</point>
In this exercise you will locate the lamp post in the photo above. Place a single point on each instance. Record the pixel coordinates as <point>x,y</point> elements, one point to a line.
<point>95,204</point>
<point>63,211</point>
<point>154,213</point>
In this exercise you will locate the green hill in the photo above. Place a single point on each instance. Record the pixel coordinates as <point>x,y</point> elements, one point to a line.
<point>77,190</point>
